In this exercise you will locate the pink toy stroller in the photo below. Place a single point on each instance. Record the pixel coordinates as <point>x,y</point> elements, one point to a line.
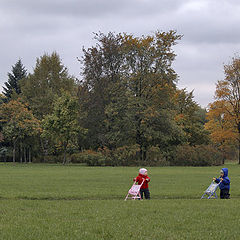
<point>134,191</point>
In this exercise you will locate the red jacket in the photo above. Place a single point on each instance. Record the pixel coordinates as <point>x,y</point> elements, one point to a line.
<point>139,180</point>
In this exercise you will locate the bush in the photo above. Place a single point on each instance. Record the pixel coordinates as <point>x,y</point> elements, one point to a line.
<point>78,158</point>
<point>95,159</point>
<point>122,156</point>
<point>200,155</point>
<point>184,155</point>
<point>48,159</point>
<point>130,156</point>
<point>91,158</point>
<point>154,157</point>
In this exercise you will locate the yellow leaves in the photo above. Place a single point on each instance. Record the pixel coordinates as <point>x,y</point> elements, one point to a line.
<point>232,72</point>
<point>150,112</point>
<point>223,90</point>
<point>224,113</point>
<point>229,88</point>
<point>221,122</point>
<point>179,118</point>
<point>139,43</point>
<point>16,115</point>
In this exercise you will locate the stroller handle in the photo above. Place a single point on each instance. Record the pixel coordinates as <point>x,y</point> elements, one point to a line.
<point>141,183</point>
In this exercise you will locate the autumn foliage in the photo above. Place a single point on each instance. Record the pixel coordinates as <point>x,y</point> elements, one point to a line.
<point>125,110</point>
<point>224,113</point>
<point>18,122</point>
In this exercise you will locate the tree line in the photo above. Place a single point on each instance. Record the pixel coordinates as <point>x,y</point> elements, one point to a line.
<point>126,108</point>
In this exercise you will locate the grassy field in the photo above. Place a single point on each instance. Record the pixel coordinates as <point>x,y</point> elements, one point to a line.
<point>78,202</point>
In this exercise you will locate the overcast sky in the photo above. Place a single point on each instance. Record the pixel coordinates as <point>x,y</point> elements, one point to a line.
<point>211,30</point>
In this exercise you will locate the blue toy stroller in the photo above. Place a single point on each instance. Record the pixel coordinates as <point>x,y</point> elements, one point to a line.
<point>210,193</point>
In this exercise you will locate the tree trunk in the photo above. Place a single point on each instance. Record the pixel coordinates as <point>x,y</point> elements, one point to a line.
<point>239,150</point>
<point>45,149</point>
<point>21,153</point>
<point>44,145</point>
<point>139,139</point>
<point>29,155</point>
<point>223,156</point>
<point>25,154</point>
<point>64,155</point>
<point>239,143</point>
<point>14,151</point>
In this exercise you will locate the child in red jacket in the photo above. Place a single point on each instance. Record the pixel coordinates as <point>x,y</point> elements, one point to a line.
<point>144,188</point>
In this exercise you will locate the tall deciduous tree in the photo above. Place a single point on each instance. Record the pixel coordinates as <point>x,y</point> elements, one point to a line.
<point>102,70</point>
<point>62,125</point>
<point>48,79</point>
<point>128,89</point>
<point>191,117</point>
<point>225,111</point>
<point>151,82</point>
<point>221,128</point>
<point>18,122</point>
<point>13,85</point>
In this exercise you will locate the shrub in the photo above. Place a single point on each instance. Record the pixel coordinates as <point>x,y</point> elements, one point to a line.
<point>95,159</point>
<point>200,155</point>
<point>130,156</point>
<point>183,155</point>
<point>154,157</point>
<point>48,159</point>
<point>122,156</point>
<point>78,158</point>
<point>91,158</point>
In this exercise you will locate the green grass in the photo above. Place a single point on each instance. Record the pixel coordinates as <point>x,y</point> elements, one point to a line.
<point>78,202</point>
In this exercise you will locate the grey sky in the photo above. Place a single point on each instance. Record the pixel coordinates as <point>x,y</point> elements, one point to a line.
<point>31,28</point>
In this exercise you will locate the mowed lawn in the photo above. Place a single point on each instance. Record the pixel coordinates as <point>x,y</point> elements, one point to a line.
<point>78,202</point>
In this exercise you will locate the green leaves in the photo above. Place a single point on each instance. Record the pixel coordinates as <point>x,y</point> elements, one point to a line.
<point>49,78</point>
<point>18,121</point>
<point>62,125</point>
<point>130,84</point>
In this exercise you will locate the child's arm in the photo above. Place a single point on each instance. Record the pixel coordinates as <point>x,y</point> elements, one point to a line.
<point>225,181</point>
<point>148,179</point>
<point>216,180</point>
<point>136,179</point>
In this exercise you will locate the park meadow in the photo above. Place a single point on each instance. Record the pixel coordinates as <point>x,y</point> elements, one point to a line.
<point>70,147</point>
<point>52,201</point>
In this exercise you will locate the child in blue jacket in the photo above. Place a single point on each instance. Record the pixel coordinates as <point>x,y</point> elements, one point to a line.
<point>224,184</point>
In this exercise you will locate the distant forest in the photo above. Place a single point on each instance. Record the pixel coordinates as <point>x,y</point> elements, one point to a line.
<point>125,110</point>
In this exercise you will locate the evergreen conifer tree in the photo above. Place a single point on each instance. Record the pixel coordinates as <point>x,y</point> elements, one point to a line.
<point>12,85</point>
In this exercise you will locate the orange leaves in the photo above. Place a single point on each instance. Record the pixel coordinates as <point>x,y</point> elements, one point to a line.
<point>143,42</point>
<point>221,123</point>
<point>232,71</point>
<point>229,88</point>
<point>224,113</point>
<point>222,89</point>
<point>16,116</point>
<point>179,118</point>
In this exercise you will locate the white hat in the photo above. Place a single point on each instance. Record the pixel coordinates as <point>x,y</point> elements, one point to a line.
<point>142,171</point>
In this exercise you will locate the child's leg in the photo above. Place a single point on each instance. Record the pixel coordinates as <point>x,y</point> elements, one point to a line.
<point>141,193</point>
<point>226,194</point>
<point>221,194</point>
<point>147,193</point>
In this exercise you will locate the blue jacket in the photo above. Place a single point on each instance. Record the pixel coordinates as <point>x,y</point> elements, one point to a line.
<point>225,184</point>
